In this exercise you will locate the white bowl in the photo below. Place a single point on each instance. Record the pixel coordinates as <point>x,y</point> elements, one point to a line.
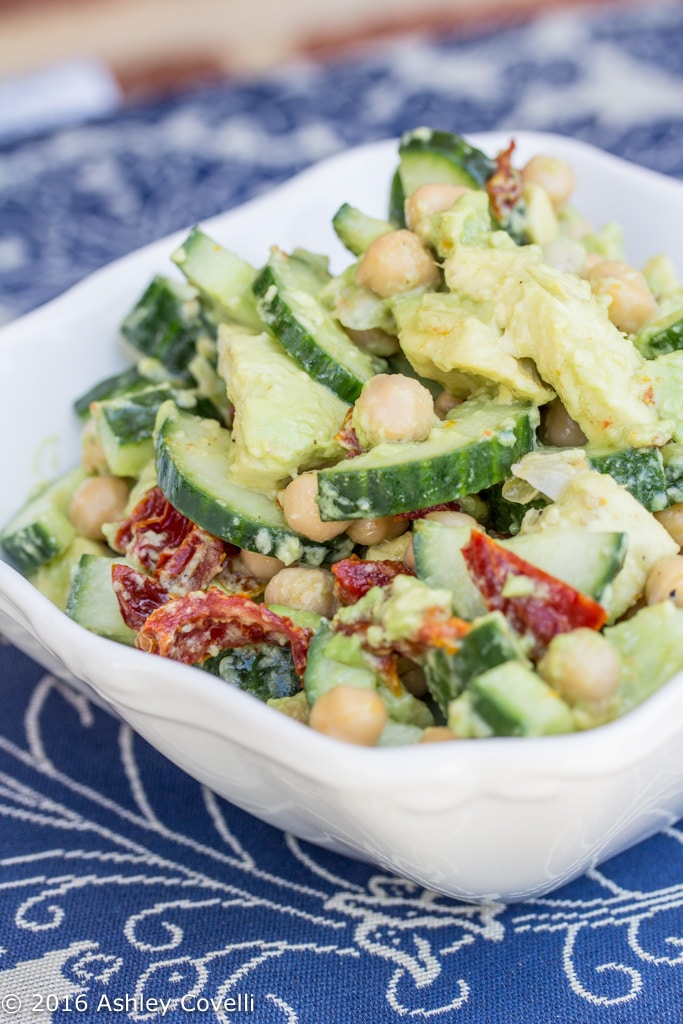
<point>482,819</point>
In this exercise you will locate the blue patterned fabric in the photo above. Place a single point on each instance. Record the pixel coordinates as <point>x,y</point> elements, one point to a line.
<point>129,892</point>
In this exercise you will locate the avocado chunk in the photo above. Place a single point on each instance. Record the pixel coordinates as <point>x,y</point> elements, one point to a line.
<point>284,421</point>
<point>516,310</point>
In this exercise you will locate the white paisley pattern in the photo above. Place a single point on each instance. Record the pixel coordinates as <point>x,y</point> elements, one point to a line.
<point>126,890</point>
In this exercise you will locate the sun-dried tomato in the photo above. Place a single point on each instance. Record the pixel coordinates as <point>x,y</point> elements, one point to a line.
<point>199,625</point>
<point>550,607</point>
<point>355,576</point>
<point>192,565</point>
<point>138,594</point>
<point>505,185</point>
<point>153,527</point>
<point>348,438</point>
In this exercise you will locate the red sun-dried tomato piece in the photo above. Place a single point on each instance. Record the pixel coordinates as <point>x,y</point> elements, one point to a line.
<point>355,576</point>
<point>138,594</point>
<point>193,564</point>
<point>550,607</point>
<point>505,185</point>
<point>198,625</point>
<point>153,527</point>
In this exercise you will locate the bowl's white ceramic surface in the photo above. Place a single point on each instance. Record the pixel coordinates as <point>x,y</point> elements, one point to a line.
<point>499,818</point>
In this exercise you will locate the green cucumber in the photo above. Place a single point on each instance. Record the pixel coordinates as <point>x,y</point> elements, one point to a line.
<point>505,516</point>
<point>471,450</point>
<point>324,672</point>
<point>439,563</point>
<point>223,278</point>
<point>585,560</point>
<point>397,201</point>
<point>672,457</point>
<point>661,336</point>
<point>124,383</point>
<point>288,289</point>
<point>357,230</point>
<point>125,424</point>
<point>41,529</point>
<point>92,602</point>
<point>514,701</point>
<point>490,642</point>
<point>431,156</point>
<point>266,671</point>
<point>639,470</point>
<point>166,323</point>
<point>192,459</point>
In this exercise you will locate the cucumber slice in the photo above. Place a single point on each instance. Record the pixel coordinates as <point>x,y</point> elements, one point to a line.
<point>41,530</point>
<point>490,642</point>
<point>323,673</point>
<point>288,288</point>
<point>428,156</point>
<point>222,277</point>
<point>640,470</point>
<point>472,450</point>
<point>587,561</point>
<point>663,335</point>
<point>125,424</point>
<point>439,563</point>
<point>193,456</point>
<point>356,230</point>
<point>266,671</point>
<point>111,387</point>
<point>514,701</point>
<point>166,323</point>
<point>92,601</point>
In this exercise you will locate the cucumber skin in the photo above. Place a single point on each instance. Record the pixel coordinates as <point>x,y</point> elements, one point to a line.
<point>299,343</point>
<point>390,490</point>
<point>474,166</point>
<point>160,326</point>
<point>218,519</point>
<point>639,470</point>
<point>490,643</point>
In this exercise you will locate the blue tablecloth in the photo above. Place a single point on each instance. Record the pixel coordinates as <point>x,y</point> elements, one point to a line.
<point>128,892</point>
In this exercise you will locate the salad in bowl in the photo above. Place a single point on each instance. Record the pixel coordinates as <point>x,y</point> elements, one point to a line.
<point>436,495</point>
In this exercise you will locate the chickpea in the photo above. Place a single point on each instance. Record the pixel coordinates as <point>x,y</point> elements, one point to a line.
<point>632,304</point>
<point>300,510</point>
<point>96,501</point>
<point>665,581</point>
<point>444,403</point>
<point>554,175</point>
<point>374,531</point>
<point>306,589</point>
<point>437,734</point>
<point>351,714</point>
<point>397,262</point>
<point>582,666</point>
<point>392,407</point>
<point>261,567</point>
<point>671,519</point>
<point>427,200</point>
<point>559,429</point>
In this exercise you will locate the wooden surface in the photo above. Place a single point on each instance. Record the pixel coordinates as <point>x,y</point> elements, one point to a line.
<point>155,45</point>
